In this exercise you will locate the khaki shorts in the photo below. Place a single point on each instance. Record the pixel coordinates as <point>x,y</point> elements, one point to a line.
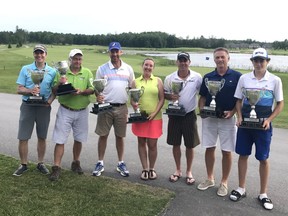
<point>117,117</point>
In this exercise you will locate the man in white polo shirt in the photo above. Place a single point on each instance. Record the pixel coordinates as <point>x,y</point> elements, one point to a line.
<point>271,86</point>
<point>119,76</point>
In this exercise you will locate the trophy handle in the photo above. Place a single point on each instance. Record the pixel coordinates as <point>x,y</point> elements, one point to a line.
<point>222,84</point>
<point>206,82</point>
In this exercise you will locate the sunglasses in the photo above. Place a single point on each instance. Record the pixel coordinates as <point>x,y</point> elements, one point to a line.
<point>259,60</point>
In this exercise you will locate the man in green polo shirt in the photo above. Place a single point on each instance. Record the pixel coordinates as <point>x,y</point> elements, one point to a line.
<point>72,112</point>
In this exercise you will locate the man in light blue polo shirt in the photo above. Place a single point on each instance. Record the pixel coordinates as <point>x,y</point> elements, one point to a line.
<point>31,114</point>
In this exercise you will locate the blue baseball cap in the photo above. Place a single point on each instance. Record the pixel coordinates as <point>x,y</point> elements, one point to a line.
<point>114,45</point>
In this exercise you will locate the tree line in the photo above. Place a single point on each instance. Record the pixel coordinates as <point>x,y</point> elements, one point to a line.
<point>139,40</point>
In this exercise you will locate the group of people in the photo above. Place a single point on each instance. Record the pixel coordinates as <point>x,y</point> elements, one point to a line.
<point>232,108</point>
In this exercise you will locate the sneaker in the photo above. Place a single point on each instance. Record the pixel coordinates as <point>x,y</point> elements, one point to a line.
<point>98,169</point>
<point>55,173</point>
<point>122,169</point>
<point>222,190</point>
<point>21,169</point>
<point>206,184</point>
<point>42,168</point>
<point>75,167</point>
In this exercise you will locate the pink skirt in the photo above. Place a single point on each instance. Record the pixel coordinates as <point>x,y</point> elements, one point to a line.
<point>148,129</point>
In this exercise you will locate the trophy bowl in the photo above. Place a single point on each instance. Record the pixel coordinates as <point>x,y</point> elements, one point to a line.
<point>253,96</point>
<point>37,78</point>
<point>213,87</point>
<point>174,108</point>
<point>99,85</point>
<point>62,67</point>
<point>138,115</point>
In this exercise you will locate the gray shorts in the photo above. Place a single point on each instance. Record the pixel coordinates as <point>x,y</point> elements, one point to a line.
<point>117,117</point>
<point>30,115</point>
<point>68,120</point>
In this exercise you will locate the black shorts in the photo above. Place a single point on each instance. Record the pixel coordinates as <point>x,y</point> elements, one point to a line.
<point>183,126</point>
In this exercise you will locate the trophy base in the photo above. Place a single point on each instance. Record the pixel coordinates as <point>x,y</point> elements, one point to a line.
<point>137,117</point>
<point>252,123</point>
<point>65,89</point>
<point>175,110</point>
<point>211,112</point>
<point>101,108</point>
<point>36,101</point>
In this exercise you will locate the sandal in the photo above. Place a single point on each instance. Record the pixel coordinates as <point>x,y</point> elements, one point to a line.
<point>236,196</point>
<point>145,175</point>
<point>152,174</point>
<point>266,203</point>
<point>174,178</point>
<point>190,180</point>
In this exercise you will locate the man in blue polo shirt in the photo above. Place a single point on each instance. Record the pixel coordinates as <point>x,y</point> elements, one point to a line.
<point>223,125</point>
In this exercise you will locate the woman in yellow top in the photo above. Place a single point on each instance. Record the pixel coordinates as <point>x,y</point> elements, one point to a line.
<point>148,132</point>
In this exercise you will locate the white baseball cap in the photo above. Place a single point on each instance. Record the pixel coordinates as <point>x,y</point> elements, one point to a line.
<point>260,53</point>
<point>73,52</point>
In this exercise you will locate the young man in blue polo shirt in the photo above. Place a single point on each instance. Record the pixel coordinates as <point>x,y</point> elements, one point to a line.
<point>223,124</point>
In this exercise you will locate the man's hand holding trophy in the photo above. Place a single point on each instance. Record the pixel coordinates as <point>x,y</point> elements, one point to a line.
<point>100,106</point>
<point>138,115</point>
<point>213,87</point>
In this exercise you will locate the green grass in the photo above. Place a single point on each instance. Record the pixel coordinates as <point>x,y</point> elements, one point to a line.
<point>73,194</point>
<point>13,59</point>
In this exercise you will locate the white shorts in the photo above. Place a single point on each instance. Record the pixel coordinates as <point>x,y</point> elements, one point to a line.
<point>224,128</point>
<point>67,120</point>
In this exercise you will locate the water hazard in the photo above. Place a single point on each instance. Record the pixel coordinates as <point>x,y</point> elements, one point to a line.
<point>237,60</point>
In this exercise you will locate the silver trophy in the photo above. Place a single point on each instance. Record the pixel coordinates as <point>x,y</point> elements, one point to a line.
<point>62,67</point>
<point>99,85</point>
<point>175,108</point>
<point>138,115</point>
<point>213,87</point>
<point>37,78</point>
<point>253,96</point>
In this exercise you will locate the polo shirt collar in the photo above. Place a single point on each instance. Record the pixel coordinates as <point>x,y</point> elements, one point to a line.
<point>227,72</point>
<point>266,76</point>
<point>151,77</point>
<point>34,67</point>
<point>111,66</point>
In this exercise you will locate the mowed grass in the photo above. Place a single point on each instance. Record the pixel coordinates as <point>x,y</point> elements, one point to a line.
<point>73,194</point>
<point>13,59</point>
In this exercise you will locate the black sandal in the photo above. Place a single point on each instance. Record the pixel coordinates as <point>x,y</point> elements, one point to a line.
<point>236,195</point>
<point>152,174</point>
<point>145,175</point>
<point>264,203</point>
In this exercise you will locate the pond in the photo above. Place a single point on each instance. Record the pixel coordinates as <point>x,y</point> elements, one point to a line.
<point>237,60</point>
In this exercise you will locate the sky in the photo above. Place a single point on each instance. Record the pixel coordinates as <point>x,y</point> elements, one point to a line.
<point>258,20</point>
